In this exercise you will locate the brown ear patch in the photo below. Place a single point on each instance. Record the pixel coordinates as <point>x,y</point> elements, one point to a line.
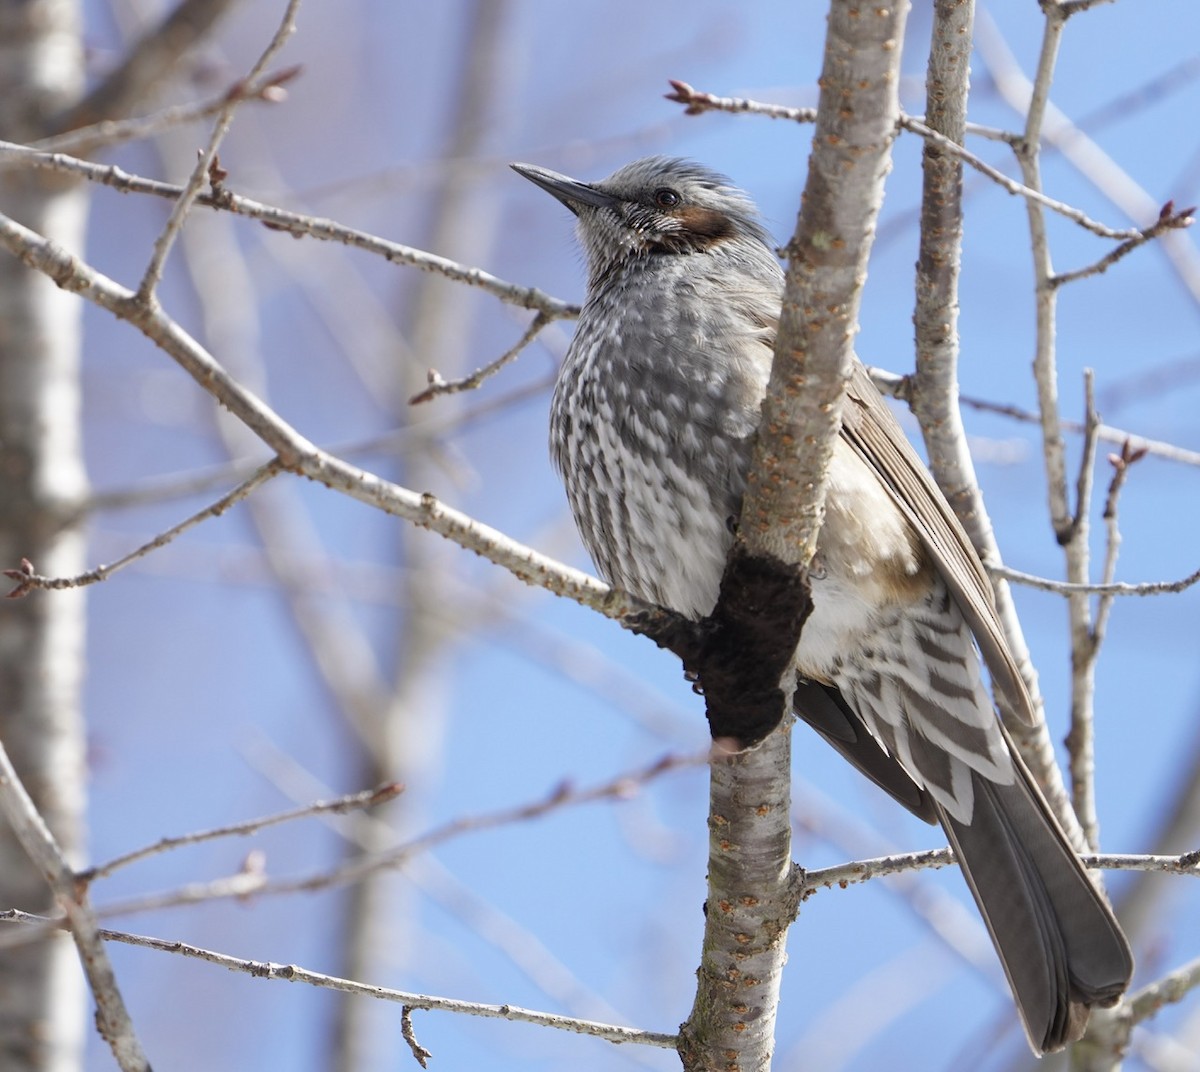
<point>699,230</point>
<point>705,223</point>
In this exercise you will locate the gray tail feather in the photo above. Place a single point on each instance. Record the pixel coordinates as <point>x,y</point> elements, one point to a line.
<point>1062,949</point>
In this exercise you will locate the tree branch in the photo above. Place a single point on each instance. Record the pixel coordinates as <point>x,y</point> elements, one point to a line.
<point>150,62</point>
<point>752,897</point>
<point>112,1017</point>
<point>339,806</point>
<point>81,141</point>
<point>27,579</point>
<point>296,224</point>
<point>438,386</point>
<point>297,454</point>
<point>292,973</point>
<point>207,167</point>
<point>1115,588</point>
<point>856,871</point>
<point>897,386</point>
<point>933,389</point>
<point>698,103</point>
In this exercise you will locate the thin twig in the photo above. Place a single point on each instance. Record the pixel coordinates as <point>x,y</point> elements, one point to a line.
<point>1045,368</point>
<point>897,386</point>
<point>1116,588</point>
<point>294,974</point>
<point>369,798</point>
<point>295,452</point>
<point>296,224</point>
<point>1087,461</point>
<point>419,1052</point>
<point>1171,988</point>
<point>697,102</point>
<point>147,64</point>
<point>1029,193</point>
<point>1070,528</point>
<point>1083,153</point>
<point>1067,8</point>
<point>27,580</point>
<point>1081,742</point>
<point>250,880</point>
<point>207,168</point>
<point>562,796</point>
<point>1168,220</point>
<point>1112,544</point>
<point>112,1017</point>
<point>856,871</point>
<point>83,140</point>
<point>438,386</point>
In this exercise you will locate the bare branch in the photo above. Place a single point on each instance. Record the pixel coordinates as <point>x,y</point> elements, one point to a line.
<point>698,102</point>
<point>562,796</point>
<point>743,954</point>
<point>81,141</point>
<point>1112,545</point>
<point>299,455</point>
<point>1083,482</point>
<point>1171,988</point>
<point>419,1052</point>
<point>438,386</point>
<point>292,973</point>
<point>298,225</point>
<point>1045,368</point>
<point>1029,193</point>
<point>1116,588</point>
<point>112,1017</point>
<point>1092,162</point>
<point>27,579</point>
<point>1070,528</point>
<point>369,798</point>
<point>1081,741</point>
<point>150,62</point>
<point>897,386</point>
<point>856,871</point>
<point>207,168</point>
<point>1168,220</point>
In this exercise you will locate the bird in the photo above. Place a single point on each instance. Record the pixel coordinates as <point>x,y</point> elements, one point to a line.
<point>652,425</point>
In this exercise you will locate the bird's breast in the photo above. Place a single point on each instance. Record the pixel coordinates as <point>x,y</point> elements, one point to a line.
<point>651,428</point>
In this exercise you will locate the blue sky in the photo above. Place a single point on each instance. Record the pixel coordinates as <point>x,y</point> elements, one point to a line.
<point>204,703</point>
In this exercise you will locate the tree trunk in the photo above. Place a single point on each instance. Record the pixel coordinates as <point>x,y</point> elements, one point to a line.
<point>42,480</point>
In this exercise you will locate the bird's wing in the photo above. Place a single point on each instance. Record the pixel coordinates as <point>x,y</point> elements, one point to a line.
<point>824,709</point>
<point>869,427</point>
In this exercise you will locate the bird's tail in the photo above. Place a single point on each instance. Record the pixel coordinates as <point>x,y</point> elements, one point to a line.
<point>1062,949</point>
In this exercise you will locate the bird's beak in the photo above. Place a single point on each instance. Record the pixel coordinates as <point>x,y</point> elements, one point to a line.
<point>571,193</point>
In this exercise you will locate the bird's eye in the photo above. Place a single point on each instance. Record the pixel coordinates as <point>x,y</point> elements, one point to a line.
<point>666,198</point>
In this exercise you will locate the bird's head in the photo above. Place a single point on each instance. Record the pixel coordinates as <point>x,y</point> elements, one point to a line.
<point>656,206</point>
